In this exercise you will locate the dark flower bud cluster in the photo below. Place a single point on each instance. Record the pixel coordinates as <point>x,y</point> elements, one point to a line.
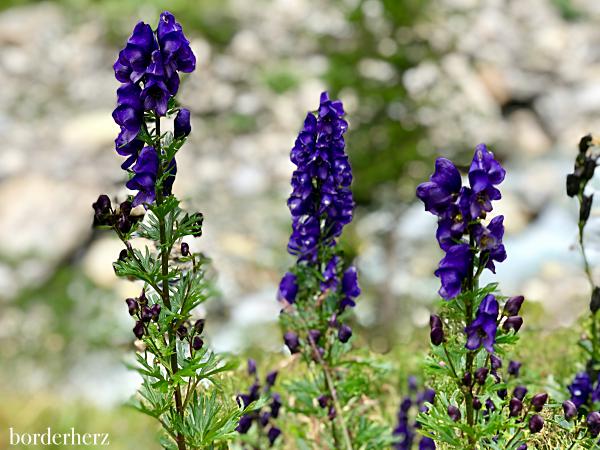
<point>143,312</point>
<point>122,220</point>
<point>406,429</point>
<point>264,418</point>
<point>460,210</point>
<point>437,330</point>
<point>148,68</point>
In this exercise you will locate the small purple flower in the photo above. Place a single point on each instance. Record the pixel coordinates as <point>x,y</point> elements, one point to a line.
<point>454,413</point>
<point>520,392</point>
<point>437,330</point>
<point>251,366</point>
<point>484,174</point>
<point>273,434</point>
<point>536,423</point>
<point>482,331</point>
<point>270,378</point>
<point>244,424</point>
<point>513,305</point>
<point>569,409</point>
<point>580,389</point>
<point>514,368</point>
<point>344,333</point>
<point>288,287</point>
<point>275,405</point>
<point>144,180</point>
<point>292,341</point>
<point>593,423</point>
<point>442,188</point>
<point>453,269</point>
<point>489,240</point>
<point>538,401</point>
<point>155,95</point>
<point>350,288</point>
<point>182,125</point>
<point>426,443</point>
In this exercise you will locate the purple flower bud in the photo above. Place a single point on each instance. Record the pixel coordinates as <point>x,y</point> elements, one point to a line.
<point>514,323</point>
<point>132,305</point>
<point>437,330</point>
<point>102,210</point>
<point>520,392</point>
<point>185,249</point>
<point>513,368</point>
<point>454,413</point>
<point>595,301</point>
<point>142,300</point>
<point>123,224</point>
<point>569,409</point>
<point>273,434</point>
<point>123,255</point>
<point>182,331</point>
<point>593,423</point>
<point>522,447</point>
<point>182,125</point>
<point>412,383</point>
<point>199,326</point>
<point>502,393</point>
<point>292,341</point>
<point>314,336</point>
<point>138,329</point>
<point>333,322</point>
<point>344,333</point>
<point>197,343</point>
<point>146,315</point>
<point>323,400</point>
<point>155,310</point>
<point>264,418</point>
<point>513,305</point>
<point>538,401</point>
<point>270,378</point>
<point>515,407</point>
<point>251,366</point>
<point>477,404</point>
<point>288,288</point>
<point>481,375</point>
<point>244,424</point>
<point>275,405</point>
<point>495,362</point>
<point>467,379</point>
<point>573,184</point>
<point>536,423</point>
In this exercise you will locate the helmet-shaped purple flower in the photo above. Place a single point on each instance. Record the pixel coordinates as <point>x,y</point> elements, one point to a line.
<point>482,331</point>
<point>442,188</point>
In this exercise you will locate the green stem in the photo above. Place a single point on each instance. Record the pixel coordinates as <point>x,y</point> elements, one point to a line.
<point>470,354</point>
<point>165,294</point>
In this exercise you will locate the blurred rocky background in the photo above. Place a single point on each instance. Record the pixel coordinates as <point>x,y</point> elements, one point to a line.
<point>418,78</point>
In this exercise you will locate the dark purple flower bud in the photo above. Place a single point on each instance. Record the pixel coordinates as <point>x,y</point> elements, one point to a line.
<point>197,343</point>
<point>536,423</point>
<point>569,409</point>
<point>138,329</point>
<point>102,207</point>
<point>185,249</point>
<point>495,362</point>
<point>581,388</point>
<point>132,305</point>
<point>199,326</point>
<point>292,341</point>
<point>243,400</point>
<point>245,424</point>
<point>481,375</point>
<point>502,393</point>
<point>123,224</point>
<point>513,323</point>
<point>467,379</point>
<point>522,447</point>
<point>490,405</point>
<point>323,400</point>
<point>454,413</point>
<point>142,300</point>
<point>515,407</point>
<point>595,302</point>
<point>437,330</point>
<point>593,423</point>
<point>477,404</point>
<point>251,366</point>
<point>270,378</point>
<point>288,287</point>
<point>146,315</point>
<point>573,184</point>
<point>585,143</point>
<point>333,322</point>
<point>332,413</point>
<point>513,305</point>
<point>182,125</point>
<point>344,333</point>
<point>273,434</point>
<point>275,405</point>
<point>589,167</point>
<point>123,254</point>
<point>254,392</point>
<point>426,443</point>
<point>155,310</point>
<point>514,368</point>
<point>520,392</point>
<point>538,401</point>
<point>412,383</point>
<point>586,207</point>
<point>182,331</point>
<point>264,418</point>
<point>314,336</point>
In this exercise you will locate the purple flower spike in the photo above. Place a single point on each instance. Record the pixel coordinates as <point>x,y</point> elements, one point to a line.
<point>482,331</point>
